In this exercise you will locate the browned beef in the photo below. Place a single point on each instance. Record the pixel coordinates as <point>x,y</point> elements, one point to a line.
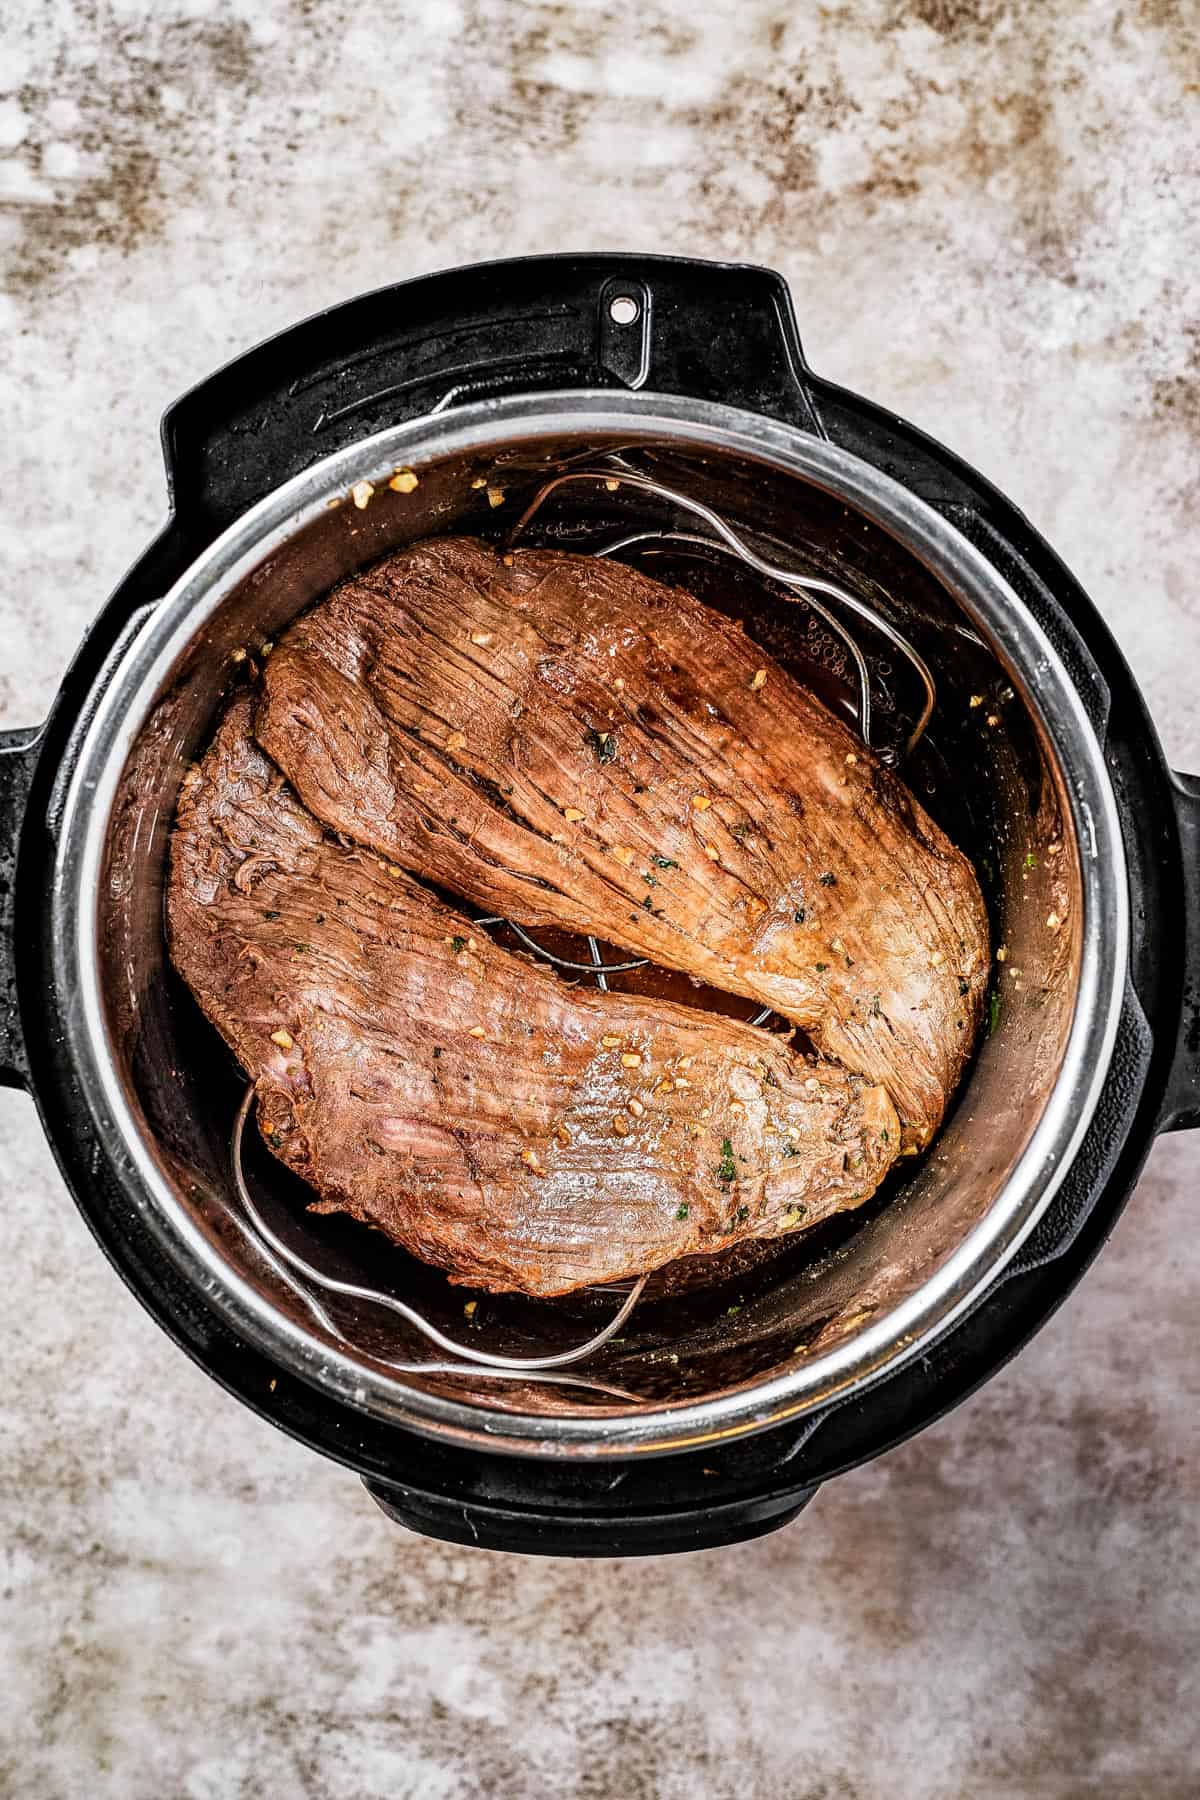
<point>571,743</point>
<point>515,1131</point>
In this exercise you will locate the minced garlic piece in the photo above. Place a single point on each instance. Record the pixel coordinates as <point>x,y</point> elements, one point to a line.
<point>623,854</point>
<point>495,496</point>
<point>530,1158</point>
<point>937,959</point>
<point>701,802</point>
<point>480,481</point>
<point>469,1309</point>
<point>621,1125</point>
<point>362,494</point>
<point>482,638</point>
<point>477,1031</point>
<point>976,699</point>
<point>572,815</point>
<point>457,740</point>
<point>636,1108</point>
<point>1002,953</point>
<point>758,680</point>
<point>712,853</point>
<point>1054,921</point>
<point>609,1043</point>
<point>630,1060</point>
<point>681,1081</point>
<point>284,1039</point>
<point>403,482</point>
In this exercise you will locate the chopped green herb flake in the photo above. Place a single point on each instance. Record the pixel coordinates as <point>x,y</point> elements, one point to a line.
<point>730,1310</point>
<point>828,880</point>
<point>648,903</point>
<point>650,880</point>
<point>799,915</point>
<point>458,944</point>
<point>603,744</point>
<point>664,862</point>
<point>437,1049</point>
<point>820,967</point>
<point>271,915</point>
<point>726,1168</point>
<point>1030,860</point>
<point>884,1136</point>
<point>304,946</point>
<point>874,1006</point>
<point>791,1150</point>
<point>963,987</point>
<point>741,830</point>
<point>742,1214</point>
<point>683,1211</point>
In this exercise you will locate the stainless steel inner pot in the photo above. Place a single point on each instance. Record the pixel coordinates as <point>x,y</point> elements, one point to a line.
<point>1010,779</point>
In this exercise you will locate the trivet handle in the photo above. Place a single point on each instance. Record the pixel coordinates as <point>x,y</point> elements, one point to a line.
<point>1181,1107</point>
<point>18,755</point>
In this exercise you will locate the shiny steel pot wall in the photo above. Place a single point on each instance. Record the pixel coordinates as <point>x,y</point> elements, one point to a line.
<point>1019,782</point>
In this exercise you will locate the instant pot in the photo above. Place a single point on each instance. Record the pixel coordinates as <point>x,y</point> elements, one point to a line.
<point>722,1407</point>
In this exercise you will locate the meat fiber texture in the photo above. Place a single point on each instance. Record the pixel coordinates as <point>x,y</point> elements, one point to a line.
<point>516,1131</point>
<point>562,740</point>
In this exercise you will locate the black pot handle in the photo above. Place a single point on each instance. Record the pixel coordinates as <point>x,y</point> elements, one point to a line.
<point>1181,1107</point>
<point>538,1506</point>
<point>601,1531</point>
<point>712,331</point>
<point>18,757</point>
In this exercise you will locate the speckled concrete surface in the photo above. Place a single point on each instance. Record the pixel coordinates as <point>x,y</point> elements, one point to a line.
<point>990,215</point>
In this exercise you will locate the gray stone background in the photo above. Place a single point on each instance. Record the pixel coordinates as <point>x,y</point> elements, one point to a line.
<point>990,216</point>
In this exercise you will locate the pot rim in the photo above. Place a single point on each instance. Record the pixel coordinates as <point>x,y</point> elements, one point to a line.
<point>494,425</point>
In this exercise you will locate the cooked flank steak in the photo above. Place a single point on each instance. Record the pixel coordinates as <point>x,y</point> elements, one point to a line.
<point>569,743</point>
<point>518,1132</point>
